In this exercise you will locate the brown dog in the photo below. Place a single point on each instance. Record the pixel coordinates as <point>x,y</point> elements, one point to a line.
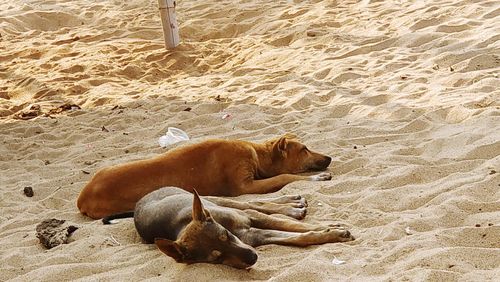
<point>192,230</point>
<point>214,167</point>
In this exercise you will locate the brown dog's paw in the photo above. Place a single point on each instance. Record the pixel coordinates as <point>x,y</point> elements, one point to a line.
<point>321,176</point>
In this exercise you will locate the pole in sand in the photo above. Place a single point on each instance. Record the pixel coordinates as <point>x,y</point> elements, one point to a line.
<point>169,23</point>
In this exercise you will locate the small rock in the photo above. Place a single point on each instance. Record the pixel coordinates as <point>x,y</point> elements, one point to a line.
<point>28,191</point>
<point>104,129</point>
<point>478,225</point>
<point>311,33</point>
<point>355,147</point>
<point>493,171</point>
<point>85,172</point>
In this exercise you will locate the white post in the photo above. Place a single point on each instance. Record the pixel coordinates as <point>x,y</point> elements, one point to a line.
<point>169,23</point>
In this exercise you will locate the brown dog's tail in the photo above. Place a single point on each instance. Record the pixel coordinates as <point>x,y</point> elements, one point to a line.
<point>107,219</point>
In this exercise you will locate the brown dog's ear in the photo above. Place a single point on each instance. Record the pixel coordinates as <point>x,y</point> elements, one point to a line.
<point>170,248</point>
<point>289,135</point>
<point>279,147</point>
<point>199,212</point>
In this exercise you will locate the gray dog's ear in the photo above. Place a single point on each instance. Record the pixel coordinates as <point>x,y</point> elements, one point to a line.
<point>170,248</point>
<point>199,212</point>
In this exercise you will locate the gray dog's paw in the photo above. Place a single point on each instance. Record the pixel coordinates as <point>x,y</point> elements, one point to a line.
<point>298,213</point>
<point>322,176</point>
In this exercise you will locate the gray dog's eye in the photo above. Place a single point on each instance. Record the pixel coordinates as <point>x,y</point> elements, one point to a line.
<point>216,254</point>
<point>223,236</point>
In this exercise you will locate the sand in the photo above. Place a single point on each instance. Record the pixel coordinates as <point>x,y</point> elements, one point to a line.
<point>403,94</point>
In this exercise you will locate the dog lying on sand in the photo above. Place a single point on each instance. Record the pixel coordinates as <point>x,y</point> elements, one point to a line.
<point>213,167</point>
<point>191,229</point>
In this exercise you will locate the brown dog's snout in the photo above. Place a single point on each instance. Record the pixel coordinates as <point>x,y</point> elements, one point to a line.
<point>324,162</point>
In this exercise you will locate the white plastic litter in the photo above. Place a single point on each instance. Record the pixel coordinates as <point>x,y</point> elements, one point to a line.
<point>336,261</point>
<point>320,204</point>
<point>173,135</point>
<point>408,230</point>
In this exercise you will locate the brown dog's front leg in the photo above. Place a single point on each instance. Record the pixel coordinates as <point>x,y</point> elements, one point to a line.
<point>271,184</point>
<point>275,183</point>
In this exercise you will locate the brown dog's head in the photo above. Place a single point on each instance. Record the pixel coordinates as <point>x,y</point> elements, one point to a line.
<point>205,240</point>
<point>291,156</point>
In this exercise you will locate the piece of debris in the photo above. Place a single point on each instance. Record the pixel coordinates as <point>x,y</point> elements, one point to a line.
<point>111,241</point>
<point>408,231</point>
<point>46,162</point>
<point>337,261</point>
<point>85,172</point>
<point>320,204</point>
<point>53,232</point>
<point>63,108</point>
<point>435,67</point>
<point>188,109</point>
<point>28,191</point>
<point>118,107</point>
<point>173,135</point>
<point>226,116</point>
<point>104,129</point>
<point>493,172</point>
<point>451,68</point>
<point>32,112</point>
<point>478,225</point>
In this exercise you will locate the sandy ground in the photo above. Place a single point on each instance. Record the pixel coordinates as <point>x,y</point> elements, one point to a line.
<point>403,94</point>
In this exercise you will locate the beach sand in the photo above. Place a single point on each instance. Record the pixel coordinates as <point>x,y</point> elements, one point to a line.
<point>404,95</point>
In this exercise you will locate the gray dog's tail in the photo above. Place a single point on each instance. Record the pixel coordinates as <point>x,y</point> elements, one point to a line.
<point>107,219</point>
